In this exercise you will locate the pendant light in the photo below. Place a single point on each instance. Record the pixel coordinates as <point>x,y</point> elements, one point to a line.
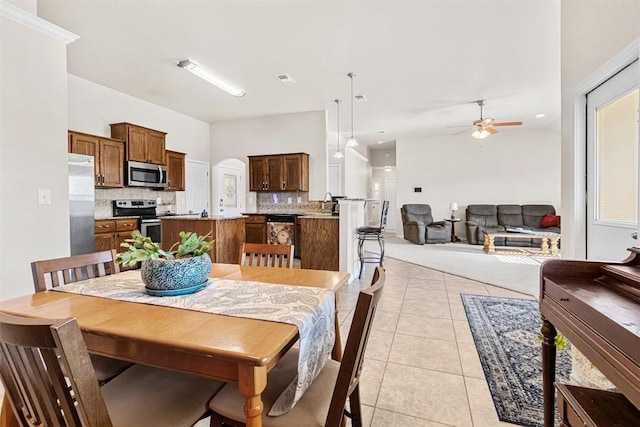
<point>338,154</point>
<point>352,141</point>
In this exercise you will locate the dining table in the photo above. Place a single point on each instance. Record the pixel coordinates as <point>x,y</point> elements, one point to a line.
<point>220,347</point>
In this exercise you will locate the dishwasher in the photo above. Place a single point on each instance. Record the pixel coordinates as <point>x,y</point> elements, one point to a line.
<point>280,229</point>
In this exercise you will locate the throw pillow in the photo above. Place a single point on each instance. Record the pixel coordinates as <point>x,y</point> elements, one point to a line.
<point>550,220</point>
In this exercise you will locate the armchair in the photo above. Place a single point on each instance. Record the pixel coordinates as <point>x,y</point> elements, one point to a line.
<point>420,228</point>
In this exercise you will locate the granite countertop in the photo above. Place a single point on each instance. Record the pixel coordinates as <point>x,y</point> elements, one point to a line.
<point>110,218</point>
<point>319,216</point>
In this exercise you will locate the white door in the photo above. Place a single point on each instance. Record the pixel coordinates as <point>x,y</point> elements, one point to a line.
<point>197,186</point>
<point>229,191</point>
<point>612,166</point>
<point>390,195</point>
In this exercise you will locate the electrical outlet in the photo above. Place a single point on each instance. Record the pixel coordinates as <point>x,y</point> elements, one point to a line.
<point>44,197</point>
<point>289,200</point>
<point>299,199</point>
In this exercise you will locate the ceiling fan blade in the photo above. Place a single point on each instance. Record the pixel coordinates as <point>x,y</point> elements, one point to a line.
<point>490,130</point>
<point>507,124</point>
<point>463,131</point>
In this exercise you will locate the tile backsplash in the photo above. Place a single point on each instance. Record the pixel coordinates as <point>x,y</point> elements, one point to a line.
<point>279,202</point>
<point>104,207</point>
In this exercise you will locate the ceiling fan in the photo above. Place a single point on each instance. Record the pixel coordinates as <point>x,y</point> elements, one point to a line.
<point>483,127</point>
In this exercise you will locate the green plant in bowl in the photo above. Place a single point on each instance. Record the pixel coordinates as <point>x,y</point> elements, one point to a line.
<point>170,272</point>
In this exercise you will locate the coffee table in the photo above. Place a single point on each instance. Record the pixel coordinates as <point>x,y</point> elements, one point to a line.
<point>548,243</point>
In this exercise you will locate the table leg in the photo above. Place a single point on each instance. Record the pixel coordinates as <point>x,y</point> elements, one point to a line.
<point>544,245</point>
<point>489,244</point>
<point>7,417</point>
<point>252,381</point>
<point>554,245</point>
<point>548,332</point>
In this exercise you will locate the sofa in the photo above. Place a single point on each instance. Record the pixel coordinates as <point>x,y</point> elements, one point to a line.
<point>420,228</point>
<point>482,219</point>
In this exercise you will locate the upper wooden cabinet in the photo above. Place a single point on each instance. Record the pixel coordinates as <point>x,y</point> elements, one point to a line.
<point>108,154</point>
<point>280,172</point>
<point>175,171</point>
<point>142,144</point>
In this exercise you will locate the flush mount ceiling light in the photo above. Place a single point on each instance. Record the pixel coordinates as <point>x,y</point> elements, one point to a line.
<point>338,154</point>
<point>210,77</point>
<point>352,141</point>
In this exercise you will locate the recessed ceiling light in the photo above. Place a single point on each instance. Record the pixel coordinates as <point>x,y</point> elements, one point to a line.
<point>360,97</point>
<point>540,115</point>
<point>380,142</point>
<point>382,132</point>
<point>210,77</point>
<point>387,168</point>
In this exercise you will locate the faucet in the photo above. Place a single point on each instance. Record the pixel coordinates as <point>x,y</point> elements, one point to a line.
<point>325,198</point>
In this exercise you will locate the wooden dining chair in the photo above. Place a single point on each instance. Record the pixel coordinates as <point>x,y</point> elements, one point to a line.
<point>48,376</point>
<point>52,273</point>
<point>324,402</point>
<point>264,255</point>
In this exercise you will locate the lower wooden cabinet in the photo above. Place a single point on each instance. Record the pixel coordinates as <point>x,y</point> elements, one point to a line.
<point>319,243</point>
<point>109,233</point>
<point>256,228</point>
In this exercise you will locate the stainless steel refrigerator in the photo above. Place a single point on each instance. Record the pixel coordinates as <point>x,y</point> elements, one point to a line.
<point>81,203</point>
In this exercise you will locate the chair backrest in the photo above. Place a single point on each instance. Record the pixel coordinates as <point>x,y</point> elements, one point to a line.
<point>351,365</point>
<point>383,215</point>
<point>59,271</point>
<point>416,212</point>
<point>47,373</point>
<point>264,255</point>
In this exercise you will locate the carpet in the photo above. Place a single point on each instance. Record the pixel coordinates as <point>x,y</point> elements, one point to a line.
<point>517,273</point>
<point>505,332</point>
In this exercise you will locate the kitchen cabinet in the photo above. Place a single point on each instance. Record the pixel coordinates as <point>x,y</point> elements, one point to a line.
<point>109,233</point>
<point>175,171</point>
<point>279,172</point>
<point>108,154</point>
<point>141,144</point>
<point>320,243</point>
<point>255,227</point>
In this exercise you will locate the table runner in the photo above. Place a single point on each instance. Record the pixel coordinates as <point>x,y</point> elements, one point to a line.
<point>311,309</point>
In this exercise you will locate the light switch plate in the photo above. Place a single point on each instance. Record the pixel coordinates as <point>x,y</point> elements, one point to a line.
<point>44,197</point>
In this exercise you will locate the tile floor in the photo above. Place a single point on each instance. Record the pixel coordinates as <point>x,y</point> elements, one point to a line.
<point>421,366</point>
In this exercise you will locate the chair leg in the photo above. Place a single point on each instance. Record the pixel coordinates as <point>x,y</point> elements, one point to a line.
<point>361,255</point>
<point>381,244</point>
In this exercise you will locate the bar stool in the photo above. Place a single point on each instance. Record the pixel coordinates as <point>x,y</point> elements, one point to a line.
<point>366,232</point>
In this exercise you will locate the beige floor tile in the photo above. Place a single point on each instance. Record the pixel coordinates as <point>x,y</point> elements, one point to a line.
<point>421,326</point>
<point>382,418</point>
<point>389,303</point>
<point>426,394</point>
<point>463,331</point>
<point>370,380</point>
<point>457,310</point>
<point>385,321</point>
<point>474,288</point>
<point>471,366</point>
<point>426,273</point>
<point>483,411</point>
<point>379,345</point>
<point>426,308</point>
<point>367,415</point>
<point>428,295</point>
<point>427,353</point>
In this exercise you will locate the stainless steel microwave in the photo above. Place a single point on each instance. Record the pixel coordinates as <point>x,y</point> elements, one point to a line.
<point>146,175</point>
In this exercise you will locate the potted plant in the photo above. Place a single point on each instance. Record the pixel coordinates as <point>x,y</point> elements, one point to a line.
<point>178,272</point>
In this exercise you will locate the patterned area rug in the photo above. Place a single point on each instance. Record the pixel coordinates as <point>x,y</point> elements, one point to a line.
<point>505,331</point>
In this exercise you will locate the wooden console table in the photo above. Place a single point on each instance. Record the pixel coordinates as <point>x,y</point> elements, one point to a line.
<point>596,306</point>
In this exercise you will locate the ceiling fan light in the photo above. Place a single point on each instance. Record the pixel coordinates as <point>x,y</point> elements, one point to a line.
<point>352,142</point>
<point>480,133</point>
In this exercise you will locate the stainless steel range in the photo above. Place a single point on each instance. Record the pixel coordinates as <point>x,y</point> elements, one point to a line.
<point>148,224</point>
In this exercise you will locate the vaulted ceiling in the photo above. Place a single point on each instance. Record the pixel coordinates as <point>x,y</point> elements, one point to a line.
<point>420,64</point>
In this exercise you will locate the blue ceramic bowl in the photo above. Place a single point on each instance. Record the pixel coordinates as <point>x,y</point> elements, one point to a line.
<point>176,274</point>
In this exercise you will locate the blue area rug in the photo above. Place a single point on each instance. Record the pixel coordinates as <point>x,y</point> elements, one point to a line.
<point>505,331</point>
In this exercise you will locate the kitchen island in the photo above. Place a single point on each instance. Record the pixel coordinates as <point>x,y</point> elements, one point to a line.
<point>320,242</point>
<point>228,232</point>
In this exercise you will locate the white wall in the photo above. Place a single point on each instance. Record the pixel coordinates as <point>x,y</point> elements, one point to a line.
<point>92,107</point>
<point>591,33</point>
<point>356,174</point>
<point>33,153</point>
<point>520,167</point>
<point>288,133</point>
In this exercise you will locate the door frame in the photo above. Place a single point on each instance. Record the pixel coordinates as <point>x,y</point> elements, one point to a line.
<point>579,145</point>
